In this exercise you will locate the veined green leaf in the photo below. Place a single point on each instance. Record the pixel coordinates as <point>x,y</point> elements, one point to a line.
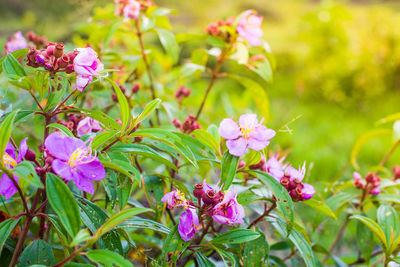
<point>169,43</point>
<point>148,109</point>
<point>6,227</point>
<point>373,226</point>
<point>320,206</point>
<point>236,236</point>
<point>37,252</point>
<point>123,105</point>
<point>62,128</point>
<point>108,258</point>
<point>5,132</point>
<point>229,165</point>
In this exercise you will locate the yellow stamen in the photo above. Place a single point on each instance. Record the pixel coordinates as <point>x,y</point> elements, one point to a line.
<point>8,160</point>
<point>246,131</point>
<point>80,156</point>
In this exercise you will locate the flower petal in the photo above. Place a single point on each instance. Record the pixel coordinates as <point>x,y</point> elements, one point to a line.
<point>23,148</point>
<point>10,150</point>
<point>257,144</point>
<point>229,129</point>
<point>248,121</point>
<point>7,187</point>
<point>62,146</point>
<point>93,170</point>
<point>262,133</point>
<point>237,147</point>
<point>83,183</point>
<point>308,191</point>
<point>62,168</point>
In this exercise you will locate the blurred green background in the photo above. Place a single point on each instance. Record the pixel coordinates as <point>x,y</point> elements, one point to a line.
<point>337,65</point>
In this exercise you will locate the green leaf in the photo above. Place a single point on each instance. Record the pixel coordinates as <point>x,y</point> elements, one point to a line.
<point>122,167</point>
<point>388,219</point>
<point>62,128</point>
<point>108,258</point>
<point>140,223</point>
<point>373,226</point>
<point>118,218</point>
<point>17,54</point>
<point>6,227</point>
<point>303,247</point>
<point>12,68</point>
<point>233,67</point>
<point>148,109</point>
<point>81,237</point>
<point>104,119</point>
<point>336,201</point>
<point>94,217</point>
<point>253,157</point>
<point>207,138</point>
<point>173,246</point>
<point>26,171</point>
<point>320,207</point>
<point>255,252</point>
<point>102,138</point>
<point>123,105</point>
<point>236,236</point>
<point>63,203</point>
<point>169,43</point>
<point>37,252</point>
<point>124,190</point>
<point>203,261</point>
<point>5,132</point>
<point>365,240</point>
<point>284,201</point>
<point>145,151</point>
<point>229,165</point>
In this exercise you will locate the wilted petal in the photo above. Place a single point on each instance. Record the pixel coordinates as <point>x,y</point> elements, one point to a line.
<point>62,168</point>
<point>237,147</point>
<point>229,129</point>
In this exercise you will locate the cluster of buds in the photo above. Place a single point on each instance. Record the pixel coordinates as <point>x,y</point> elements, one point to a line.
<point>221,207</point>
<point>188,126</point>
<point>182,93</point>
<point>370,185</point>
<point>134,90</point>
<point>130,9</point>
<point>261,165</point>
<point>52,58</point>
<point>221,29</point>
<point>38,41</point>
<point>80,125</point>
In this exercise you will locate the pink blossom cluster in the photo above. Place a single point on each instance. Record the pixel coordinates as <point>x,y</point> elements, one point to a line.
<point>182,93</point>
<point>130,9</point>
<point>222,207</point>
<point>188,126</point>
<point>370,185</point>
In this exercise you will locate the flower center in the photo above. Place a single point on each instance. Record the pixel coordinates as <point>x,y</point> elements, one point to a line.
<point>80,156</point>
<point>8,160</point>
<point>246,131</point>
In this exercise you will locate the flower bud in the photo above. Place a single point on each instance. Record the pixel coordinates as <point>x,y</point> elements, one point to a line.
<point>114,97</point>
<point>396,172</point>
<point>285,181</point>
<point>375,191</point>
<point>135,88</point>
<point>209,197</point>
<point>59,50</point>
<point>63,61</point>
<point>39,58</point>
<point>72,56</point>
<point>70,68</point>
<point>30,155</point>
<point>138,139</point>
<point>176,123</point>
<point>49,160</point>
<point>370,177</point>
<point>219,197</point>
<point>50,50</point>
<point>198,190</point>
<point>241,164</point>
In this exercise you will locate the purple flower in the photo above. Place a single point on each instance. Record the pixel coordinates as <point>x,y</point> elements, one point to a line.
<point>73,160</point>
<point>229,211</point>
<point>274,168</point>
<point>188,224</point>
<point>10,159</point>
<point>16,42</point>
<point>249,28</point>
<point>249,133</point>
<point>307,192</point>
<point>86,65</point>
<point>292,181</point>
<point>88,125</point>
<point>375,191</point>
<point>174,199</point>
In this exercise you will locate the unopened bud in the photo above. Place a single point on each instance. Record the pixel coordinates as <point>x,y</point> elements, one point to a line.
<point>370,177</point>
<point>30,155</point>
<point>135,88</point>
<point>208,198</point>
<point>50,50</point>
<point>198,190</point>
<point>396,172</point>
<point>59,50</point>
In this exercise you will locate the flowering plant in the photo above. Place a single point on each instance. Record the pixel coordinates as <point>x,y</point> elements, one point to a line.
<point>126,161</point>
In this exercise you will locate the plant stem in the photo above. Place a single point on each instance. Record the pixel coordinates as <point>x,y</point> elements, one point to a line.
<point>261,217</point>
<point>62,103</point>
<point>214,76</point>
<point>387,156</point>
<point>146,63</point>
<point>338,237</point>
<point>37,102</point>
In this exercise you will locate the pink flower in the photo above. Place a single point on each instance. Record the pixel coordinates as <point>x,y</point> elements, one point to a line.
<point>16,42</point>
<point>292,181</point>
<point>132,9</point>
<point>88,125</point>
<point>229,211</point>
<point>174,199</point>
<point>10,159</point>
<point>249,28</point>
<point>274,167</point>
<point>188,224</point>
<point>73,160</point>
<point>249,133</point>
<point>86,65</point>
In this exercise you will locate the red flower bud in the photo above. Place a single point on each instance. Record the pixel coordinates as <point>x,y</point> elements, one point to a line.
<point>59,50</point>
<point>396,172</point>
<point>135,88</point>
<point>209,197</point>
<point>30,155</point>
<point>198,190</point>
<point>370,177</point>
<point>50,50</point>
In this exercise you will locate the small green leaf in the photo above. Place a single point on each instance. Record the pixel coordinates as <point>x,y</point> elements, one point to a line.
<point>82,236</point>
<point>63,203</point>
<point>62,128</point>
<point>320,206</point>
<point>389,222</point>
<point>255,252</point>
<point>140,223</point>
<point>12,68</point>
<point>123,105</point>
<point>148,109</point>
<point>236,236</point>
<point>373,226</point>
<point>208,139</point>
<point>229,165</point>
<point>26,171</point>
<point>118,218</point>
<point>169,43</point>
<point>108,258</point>
<point>203,261</point>
<point>102,138</point>
<point>5,132</point>
<point>37,252</point>
<point>173,247</point>
<point>6,227</point>
<point>365,240</point>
